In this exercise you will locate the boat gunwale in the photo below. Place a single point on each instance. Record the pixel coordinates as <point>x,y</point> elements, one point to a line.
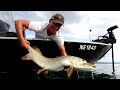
<point>69,41</point>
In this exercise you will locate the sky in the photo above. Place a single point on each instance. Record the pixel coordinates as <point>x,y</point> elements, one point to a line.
<point>78,24</point>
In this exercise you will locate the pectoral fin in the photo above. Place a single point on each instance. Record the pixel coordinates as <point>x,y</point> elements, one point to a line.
<point>42,70</point>
<point>26,57</point>
<point>69,71</point>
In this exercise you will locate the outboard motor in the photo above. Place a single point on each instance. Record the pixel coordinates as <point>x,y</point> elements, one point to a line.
<point>110,32</point>
<point>107,39</point>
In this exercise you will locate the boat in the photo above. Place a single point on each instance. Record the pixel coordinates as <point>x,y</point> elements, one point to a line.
<point>11,51</point>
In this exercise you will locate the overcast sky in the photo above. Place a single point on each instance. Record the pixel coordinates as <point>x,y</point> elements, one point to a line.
<point>78,25</point>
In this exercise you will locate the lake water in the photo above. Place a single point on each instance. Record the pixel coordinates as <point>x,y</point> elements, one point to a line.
<point>103,71</point>
<point>107,68</point>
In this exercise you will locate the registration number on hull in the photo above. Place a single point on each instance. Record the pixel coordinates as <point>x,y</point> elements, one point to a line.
<point>87,47</point>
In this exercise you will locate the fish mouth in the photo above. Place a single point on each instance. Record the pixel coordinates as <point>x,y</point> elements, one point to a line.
<point>93,65</point>
<point>89,65</point>
<point>86,67</point>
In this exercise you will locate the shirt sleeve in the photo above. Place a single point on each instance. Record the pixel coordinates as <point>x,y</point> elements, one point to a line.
<point>35,26</point>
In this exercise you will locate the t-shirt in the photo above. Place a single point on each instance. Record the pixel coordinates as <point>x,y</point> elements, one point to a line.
<point>41,32</point>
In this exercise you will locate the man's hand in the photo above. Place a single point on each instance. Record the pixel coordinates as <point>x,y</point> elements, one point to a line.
<point>24,43</point>
<point>62,50</point>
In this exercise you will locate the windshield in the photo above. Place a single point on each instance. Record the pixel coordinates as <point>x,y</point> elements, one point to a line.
<point>6,22</point>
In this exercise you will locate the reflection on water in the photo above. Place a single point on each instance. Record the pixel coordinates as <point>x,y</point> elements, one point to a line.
<point>75,75</point>
<point>108,69</point>
<point>103,71</point>
<point>104,76</point>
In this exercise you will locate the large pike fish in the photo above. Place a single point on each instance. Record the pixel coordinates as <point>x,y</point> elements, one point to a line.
<point>58,63</point>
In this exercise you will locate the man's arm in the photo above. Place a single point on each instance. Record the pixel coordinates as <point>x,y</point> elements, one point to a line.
<point>19,25</point>
<point>62,50</point>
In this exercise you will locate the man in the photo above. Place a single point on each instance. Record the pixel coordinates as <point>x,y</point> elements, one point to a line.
<point>49,30</point>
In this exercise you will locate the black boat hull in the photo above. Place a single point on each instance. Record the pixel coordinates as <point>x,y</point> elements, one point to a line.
<point>11,53</point>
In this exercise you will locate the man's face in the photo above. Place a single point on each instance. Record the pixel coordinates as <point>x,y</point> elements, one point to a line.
<point>54,26</point>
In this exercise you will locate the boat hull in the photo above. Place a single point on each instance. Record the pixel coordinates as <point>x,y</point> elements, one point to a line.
<point>90,51</point>
<point>11,53</point>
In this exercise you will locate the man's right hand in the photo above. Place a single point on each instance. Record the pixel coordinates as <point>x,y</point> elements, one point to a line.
<point>20,25</point>
<point>24,43</point>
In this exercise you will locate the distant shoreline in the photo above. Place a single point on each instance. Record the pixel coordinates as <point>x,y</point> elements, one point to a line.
<point>108,62</point>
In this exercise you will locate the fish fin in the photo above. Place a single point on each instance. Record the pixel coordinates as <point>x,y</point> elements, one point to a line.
<point>26,57</point>
<point>41,70</point>
<point>69,71</point>
<point>45,72</point>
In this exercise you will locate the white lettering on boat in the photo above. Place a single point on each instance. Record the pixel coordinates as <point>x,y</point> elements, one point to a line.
<point>87,47</point>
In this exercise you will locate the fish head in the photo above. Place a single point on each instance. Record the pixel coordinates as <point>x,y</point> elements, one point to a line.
<point>81,64</point>
<point>86,67</point>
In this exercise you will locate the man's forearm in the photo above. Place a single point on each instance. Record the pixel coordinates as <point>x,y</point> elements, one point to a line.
<point>62,50</point>
<point>19,30</point>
